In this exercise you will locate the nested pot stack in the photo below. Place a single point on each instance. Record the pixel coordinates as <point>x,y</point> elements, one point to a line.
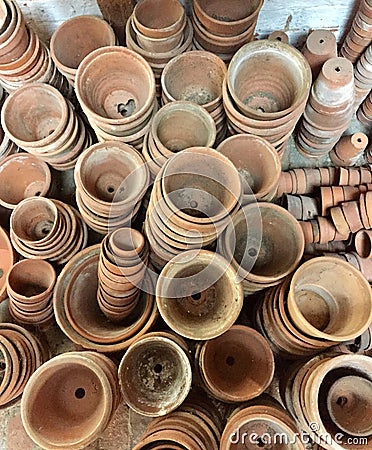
<point>7,147</point>
<point>349,150</point>
<point>76,391</point>
<point>30,285</point>
<point>21,353</point>
<point>35,181</point>
<point>175,127</point>
<point>155,374</point>
<point>336,195</point>
<point>42,228</point>
<point>364,113</point>
<point>320,46</point>
<point>222,28</point>
<point>41,121</point>
<point>115,87</point>
<point>264,243</point>
<point>363,75</point>
<point>121,271</point>
<point>197,76</point>
<point>75,38</point>
<point>329,110</point>
<point>111,179</point>
<point>80,317</point>
<point>24,58</point>
<point>322,230</point>
<point>8,259</point>
<point>301,207</point>
<point>193,199</point>
<point>266,90</point>
<point>359,36</point>
<point>354,215</point>
<point>333,391</point>
<point>159,31</point>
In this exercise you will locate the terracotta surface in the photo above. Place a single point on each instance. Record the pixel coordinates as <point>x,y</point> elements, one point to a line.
<point>7,260</point>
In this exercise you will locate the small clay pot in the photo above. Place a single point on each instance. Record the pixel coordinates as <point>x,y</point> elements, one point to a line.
<point>164,379</point>
<point>363,243</point>
<point>278,36</point>
<point>320,46</point>
<point>184,291</point>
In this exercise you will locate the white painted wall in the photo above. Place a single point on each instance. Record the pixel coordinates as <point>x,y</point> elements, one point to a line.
<point>295,16</point>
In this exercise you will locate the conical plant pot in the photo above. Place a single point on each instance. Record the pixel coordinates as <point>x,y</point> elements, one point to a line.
<point>155,375</point>
<point>35,180</point>
<point>237,366</point>
<point>198,295</point>
<point>330,299</point>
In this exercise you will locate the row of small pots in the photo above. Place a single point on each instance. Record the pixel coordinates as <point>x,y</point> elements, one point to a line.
<point>42,228</point>
<point>322,230</point>
<point>121,270</point>
<point>354,215</point>
<point>349,150</point>
<point>329,110</point>
<point>41,121</point>
<point>201,83</point>
<point>335,195</point>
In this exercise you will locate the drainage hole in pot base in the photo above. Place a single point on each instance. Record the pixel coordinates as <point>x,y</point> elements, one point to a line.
<point>230,361</point>
<point>158,368</point>
<point>80,393</point>
<point>127,109</point>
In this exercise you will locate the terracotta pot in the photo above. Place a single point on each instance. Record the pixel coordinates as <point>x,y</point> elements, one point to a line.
<point>7,261</point>
<point>258,164</point>
<point>184,291</point>
<point>161,25</point>
<point>164,380</point>
<point>317,296</point>
<point>320,46</point>
<point>237,366</point>
<point>278,36</point>
<point>36,179</point>
<point>251,252</point>
<point>227,21</point>
<point>352,215</point>
<point>87,412</point>
<point>349,149</point>
<point>363,243</point>
<point>80,35</point>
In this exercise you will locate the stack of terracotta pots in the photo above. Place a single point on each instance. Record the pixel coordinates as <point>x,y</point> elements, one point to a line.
<point>363,74</point>
<point>21,353</point>
<point>355,176</point>
<point>329,110</point>
<point>266,90</point>
<point>42,228</point>
<point>364,113</point>
<point>75,38</point>
<point>359,36</point>
<point>300,206</point>
<point>6,262</point>
<point>164,380</point>
<point>264,243</point>
<point>258,164</point>
<point>349,150</point>
<point>323,230</point>
<point>80,317</point>
<point>223,28</point>
<point>260,425</point>
<point>320,46</point>
<point>111,178</point>
<point>86,384</point>
<point>41,121</point>
<point>306,181</point>
<point>121,270</point>
<point>23,58</point>
<point>30,285</point>
<point>237,366</point>
<point>7,147</point>
<point>35,181</point>
<point>116,90</point>
<point>196,424</point>
<point>176,126</point>
<point>334,392</point>
<point>198,295</point>
<point>192,199</point>
<point>201,82</point>
<point>335,195</point>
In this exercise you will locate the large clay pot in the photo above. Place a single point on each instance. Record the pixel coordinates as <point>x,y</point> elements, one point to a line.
<point>155,375</point>
<point>198,295</point>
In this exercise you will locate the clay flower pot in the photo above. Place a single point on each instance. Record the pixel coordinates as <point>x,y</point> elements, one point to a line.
<point>184,291</point>
<point>159,25</point>
<point>75,38</point>
<point>279,36</point>
<point>7,260</point>
<point>164,380</point>
<point>322,307</point>
<point>237,366</point>
<point>258,164</point>
<point>35,180</point>
<point>363,243</point>
<point>86,407</point>
<point>320,46</point>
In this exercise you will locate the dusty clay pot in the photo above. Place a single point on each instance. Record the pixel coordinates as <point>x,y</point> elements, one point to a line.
<point>85,408</point>
<point>318,302</point>
<point>278,36</point>
<point>185,290</point>
<point>35,180</point>
<point>237,366</point>
<point>258,164</point>
<point>320,46</point>
<point>7,260</point>
<point>164,379</point>
<point>363,243</point>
